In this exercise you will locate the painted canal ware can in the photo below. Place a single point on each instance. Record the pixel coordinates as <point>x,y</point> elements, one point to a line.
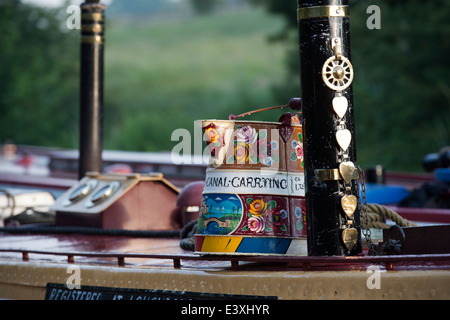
<point>253,200</point>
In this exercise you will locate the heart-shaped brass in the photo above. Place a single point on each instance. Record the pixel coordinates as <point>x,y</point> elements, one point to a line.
<point>349,204</point>
<point>344,137</point>
<point>340,105</point>
<point>347,169</point>
<point>350,237</point>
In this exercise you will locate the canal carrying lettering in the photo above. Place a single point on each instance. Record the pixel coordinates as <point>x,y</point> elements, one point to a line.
<point>247,181</point>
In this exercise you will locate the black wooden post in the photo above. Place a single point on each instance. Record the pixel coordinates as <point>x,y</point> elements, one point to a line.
<point>324,39</point>
<point>91,87</point>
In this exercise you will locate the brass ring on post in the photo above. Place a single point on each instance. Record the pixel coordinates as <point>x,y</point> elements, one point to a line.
<point>92,27</point>
<point>96,39</point>
<point>322,11</point>
<point>332,175</point>
<point>92,16</point>
<point>95,28</point>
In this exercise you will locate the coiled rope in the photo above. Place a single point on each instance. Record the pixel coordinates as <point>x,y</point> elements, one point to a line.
<point>377,215</point>
<point>187,236</point>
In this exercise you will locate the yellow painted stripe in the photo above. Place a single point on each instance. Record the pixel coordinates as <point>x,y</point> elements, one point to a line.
<point>220,244</point>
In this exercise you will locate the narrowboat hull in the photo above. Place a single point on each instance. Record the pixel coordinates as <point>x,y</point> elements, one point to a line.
<point>36,266</point>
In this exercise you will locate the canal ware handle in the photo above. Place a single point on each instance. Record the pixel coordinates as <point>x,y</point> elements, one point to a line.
<point>294,104</point>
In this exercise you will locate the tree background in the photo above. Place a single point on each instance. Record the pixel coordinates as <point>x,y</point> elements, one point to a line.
<point>38,76</point>
<point>401,85</point>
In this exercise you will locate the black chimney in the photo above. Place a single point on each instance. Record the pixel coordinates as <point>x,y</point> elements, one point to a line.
<point>91,88</point>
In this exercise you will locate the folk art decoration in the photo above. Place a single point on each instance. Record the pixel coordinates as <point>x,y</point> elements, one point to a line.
<point>253,200</point>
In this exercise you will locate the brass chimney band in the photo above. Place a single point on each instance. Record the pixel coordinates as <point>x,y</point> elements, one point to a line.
<point>92,27</point>
<point>92,39</point>
<point>95,28</point>
<point>92,16</point>
<point>322,11</point>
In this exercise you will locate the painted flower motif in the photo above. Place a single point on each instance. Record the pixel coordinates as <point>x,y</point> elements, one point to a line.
<point>276,219</point>
<point>256,224</point>
<point>264,217</point>
<point>301,213</point>
<point>274,145</point>
<point>247,134</point>
<point>212,134</point>
<point>297,145</point>
<point>265,149</point>
<point>265,155</point>
<point>267,161</point>
<point>299,151</point>
<point>253,147</point>
<point>298,212</point>
<point>241,152</point>
<point>258,207</point>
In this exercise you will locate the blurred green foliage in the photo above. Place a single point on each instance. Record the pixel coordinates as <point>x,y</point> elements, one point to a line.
<point>165,75</point>
<point>38,76</point>
<point>402,82</point>
<point>402,78</point>
<point>162,74</point>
